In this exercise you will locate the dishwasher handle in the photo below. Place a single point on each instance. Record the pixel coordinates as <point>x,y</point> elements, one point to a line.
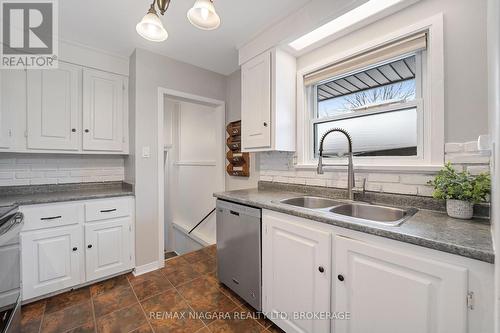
<point>234,213</point>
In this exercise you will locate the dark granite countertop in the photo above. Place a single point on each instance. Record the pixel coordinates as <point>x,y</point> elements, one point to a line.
<point>427,228</point>
<point>40,194</point>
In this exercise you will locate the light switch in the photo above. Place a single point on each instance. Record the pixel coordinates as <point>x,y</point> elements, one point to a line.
<point>146,152</point>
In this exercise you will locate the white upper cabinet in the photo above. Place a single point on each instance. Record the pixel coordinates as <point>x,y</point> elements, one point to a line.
<point>53,108</point>
<point>296,273</point>
<point>389,291</point>
<point>256,102</point>
<point>103,111</point>
<point>12,107</point>
<point>69,109</point>
<point>268,86</point>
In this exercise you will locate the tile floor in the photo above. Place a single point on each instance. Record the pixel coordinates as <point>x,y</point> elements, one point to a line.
<point>165,300</point>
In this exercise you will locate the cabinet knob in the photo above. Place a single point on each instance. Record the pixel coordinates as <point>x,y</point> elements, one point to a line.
<point>321,269</point>
<point>87,130</point>
<point>73,130</point>
<point>265,124</point>
<point>75,249</point>
<point>89,246</point>
<point>340,277</point>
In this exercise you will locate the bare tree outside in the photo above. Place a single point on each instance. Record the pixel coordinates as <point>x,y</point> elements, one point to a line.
<point>399,92</point>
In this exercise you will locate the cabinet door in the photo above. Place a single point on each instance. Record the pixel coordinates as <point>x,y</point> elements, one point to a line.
<point>296,274</point>
<point>388,291</point>
<point>51,260</point>
<point>54,104</point>
<point>256,102</point>
<point>108,248</point>
<point>6,111</point>
<point>103,111</point>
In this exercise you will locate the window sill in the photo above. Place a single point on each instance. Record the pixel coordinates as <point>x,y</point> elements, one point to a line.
<point>376,168</point>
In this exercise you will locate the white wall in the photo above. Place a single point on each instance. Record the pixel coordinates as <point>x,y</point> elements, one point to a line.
<point>494,116</point>
<point>465,62</point>
<point>233,113</point>
<point>150,71</point>
<point>38,169</point>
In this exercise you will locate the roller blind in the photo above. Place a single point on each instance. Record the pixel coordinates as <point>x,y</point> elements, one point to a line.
<point>388,51</point>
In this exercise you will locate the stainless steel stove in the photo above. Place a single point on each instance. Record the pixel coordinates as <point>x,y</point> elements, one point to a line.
<point>10,279</point>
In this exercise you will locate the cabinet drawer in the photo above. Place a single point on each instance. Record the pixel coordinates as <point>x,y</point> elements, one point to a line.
<point>108,209</point>
<point>51,215</point>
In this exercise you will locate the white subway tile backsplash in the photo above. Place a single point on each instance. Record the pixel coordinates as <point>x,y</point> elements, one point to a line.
<point>416,179</point>
<point>471,146</point>
<point>477,169</point>
<point>278,167</point>
<point>399,188</point>
<point>36,169</point>
<point>383,177</point>
<point>453,147</point>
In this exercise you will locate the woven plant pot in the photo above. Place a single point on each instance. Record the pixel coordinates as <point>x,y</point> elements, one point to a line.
<point>459,209</point>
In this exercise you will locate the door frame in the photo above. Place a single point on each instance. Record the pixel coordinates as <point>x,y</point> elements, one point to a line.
<point>220,107</point>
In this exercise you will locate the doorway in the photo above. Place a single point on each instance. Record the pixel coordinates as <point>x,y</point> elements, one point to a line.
<point>192,169</point>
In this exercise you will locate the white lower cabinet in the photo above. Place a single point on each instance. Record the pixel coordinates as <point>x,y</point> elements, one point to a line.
<point>108,249</point>
<point>386,291</point>
<point>61,249</point>
<point>51,260</point>
<point>382,285</point>
<point>296,274</point>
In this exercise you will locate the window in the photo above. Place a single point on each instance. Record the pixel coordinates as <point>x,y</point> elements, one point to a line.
<point>377,105</point>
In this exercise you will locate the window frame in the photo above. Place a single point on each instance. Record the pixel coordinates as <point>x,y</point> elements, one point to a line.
<point>416,103</point>
<point>430,156</point>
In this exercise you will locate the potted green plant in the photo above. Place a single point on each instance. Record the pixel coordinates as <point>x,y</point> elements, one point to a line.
<point>461,190</point>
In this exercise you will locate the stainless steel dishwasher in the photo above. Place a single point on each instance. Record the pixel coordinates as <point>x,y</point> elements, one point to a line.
<point>239,250</point>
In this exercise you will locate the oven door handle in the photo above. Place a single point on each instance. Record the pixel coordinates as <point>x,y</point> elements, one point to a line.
<point>15,224</point>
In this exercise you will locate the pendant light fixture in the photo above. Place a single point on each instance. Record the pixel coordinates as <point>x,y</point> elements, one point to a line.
<point>202,15</point>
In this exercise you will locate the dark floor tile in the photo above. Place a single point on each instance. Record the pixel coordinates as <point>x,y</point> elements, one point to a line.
<point>150,284</point>
<point>113,300</point>
<point>31,316</point>
<point>205,266</point>
<point>205,297</point>
<point>67,299</point>
<point>275,329</point>
<point>203,330</point>
<point>196,256</point>
<point>182,275</point>
<point>174,264</point>
<point>168,312</point>
<point>143,329</point>
<point>236,324</point>
<point>257,315</point>
<point>108,285</point>
<point>87,328</point>
<point>211,250</point>
<point>68,318</point>
<point>122,321</point>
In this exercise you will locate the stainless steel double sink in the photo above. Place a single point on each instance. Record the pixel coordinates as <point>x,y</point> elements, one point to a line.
<point>354,210</point>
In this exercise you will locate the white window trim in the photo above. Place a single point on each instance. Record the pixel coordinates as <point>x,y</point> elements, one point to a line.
<point>433,104</point>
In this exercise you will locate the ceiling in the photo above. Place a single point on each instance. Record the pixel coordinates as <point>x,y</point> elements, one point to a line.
<point>110,25</point>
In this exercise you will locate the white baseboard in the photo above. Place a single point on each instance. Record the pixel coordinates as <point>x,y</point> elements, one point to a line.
<point>143,269</point>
